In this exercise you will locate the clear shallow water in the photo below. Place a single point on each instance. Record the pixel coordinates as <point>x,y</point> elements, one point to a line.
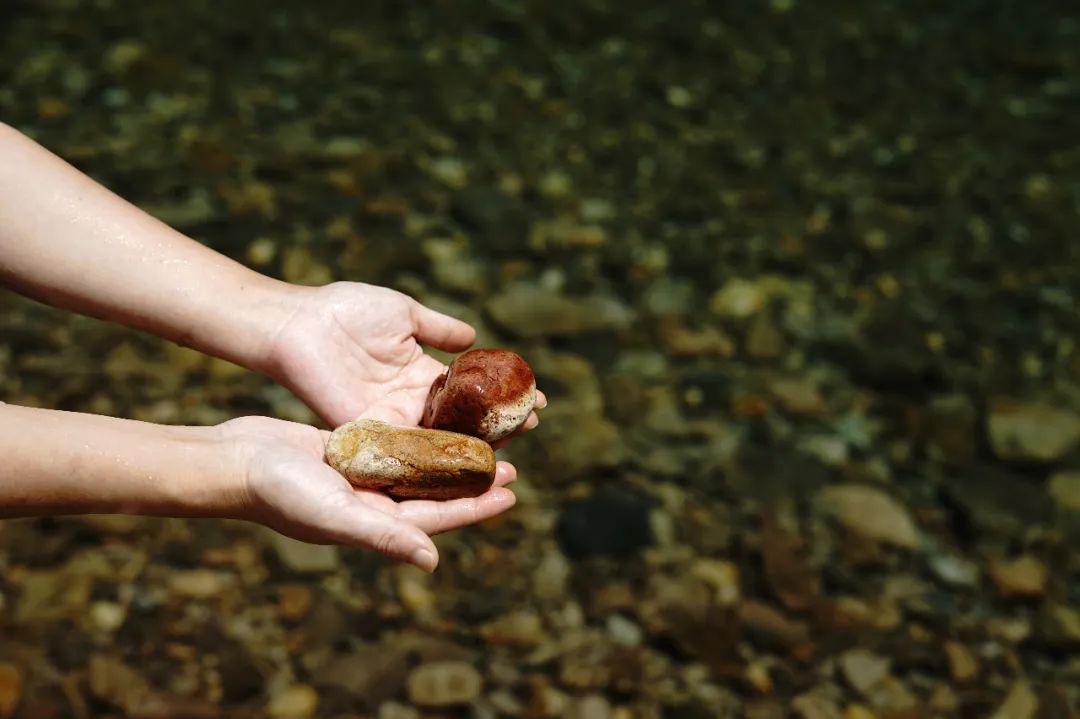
<point>805,248</point>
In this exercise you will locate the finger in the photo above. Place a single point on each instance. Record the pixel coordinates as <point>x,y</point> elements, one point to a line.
<point>350,521</point>
<point>541,400</point>
<point>394,538</point>
<point>505,473</point>
<point>435,517</point>
<point>530,423</point>
<point>442,331</point>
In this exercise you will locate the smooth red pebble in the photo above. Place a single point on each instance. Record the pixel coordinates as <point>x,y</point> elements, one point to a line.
<point>486,393</point>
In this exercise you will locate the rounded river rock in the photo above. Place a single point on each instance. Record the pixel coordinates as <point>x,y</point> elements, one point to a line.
<point>410,462</point>
<point>485,393</point>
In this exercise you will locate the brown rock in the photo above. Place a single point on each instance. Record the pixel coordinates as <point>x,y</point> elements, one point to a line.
<point>200,583</point>
<point>870,512</point>
<point>797,395</point>
<point>858,711</point>
<point>943,699</point>
<point>50,595</point>
<point>1064,488</point>
<point>1031,431</point>
<point>589,667</point>
<point>370,675</point>
<point>813,705</point>
<point>395,710</point>
<point>298,701</point>
<point>521,628</point>
<point>764,340</point>
<point>1063,624</point>
<point>545,700</point>
<point>532,311</point>
<point>294,601</point>
<point>11,683</point>
<point>681,340</point>
<point>739,298</point>
<point>963,666</point>
<point>114,682</point>
<point>593,706</point>
<point>765,709</point>
<point>788,571</point>
<point>1024,576</point>
<point>722,576</point>
<point>486,393</point>
<point>863,669</point>
<point>410,462</point>
<point>951,428</point>
<point>1020,703</point>
<point>774,627</point>
<point>444,684</point>
<point>1009,629</point>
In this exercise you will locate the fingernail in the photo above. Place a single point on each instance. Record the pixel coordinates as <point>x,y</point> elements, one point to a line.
<point>424,559</point>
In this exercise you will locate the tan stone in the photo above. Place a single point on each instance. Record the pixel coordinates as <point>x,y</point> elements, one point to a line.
<point>410,462</point>
<point>520,628</point>
<point>1020,703</point>
<point>1064,488</point>
<point>858,711</point>
<point>871,513</point>
<point>1032,431</point>
<point>1024,576</point>
<point>11,683</point>
<point>444,684</point>
<point>294,601</point>
<point>963,666</point>
<point>298,701</point>
<point>863,669</point>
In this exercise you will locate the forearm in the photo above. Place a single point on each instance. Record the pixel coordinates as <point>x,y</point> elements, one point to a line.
<point>54,462</point>
<point>67,241</point>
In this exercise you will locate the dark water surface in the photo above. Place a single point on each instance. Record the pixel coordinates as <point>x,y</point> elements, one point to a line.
<point>812,448</point>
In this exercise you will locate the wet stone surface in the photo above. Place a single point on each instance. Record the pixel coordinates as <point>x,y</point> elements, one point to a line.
<point>485,393</point>
<point>411,462</point>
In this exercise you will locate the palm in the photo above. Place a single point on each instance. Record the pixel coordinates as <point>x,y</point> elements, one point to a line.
<point>351,349</point>
<point>292,490</point>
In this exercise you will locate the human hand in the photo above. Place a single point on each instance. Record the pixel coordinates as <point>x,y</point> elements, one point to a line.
<point>289,488</point>
<point>352,350</point>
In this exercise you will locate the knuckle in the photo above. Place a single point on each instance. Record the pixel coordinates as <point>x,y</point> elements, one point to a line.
<point>388,541</point>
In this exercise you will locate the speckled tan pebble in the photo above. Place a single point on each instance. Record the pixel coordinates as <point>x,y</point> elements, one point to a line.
<point>411,462</point>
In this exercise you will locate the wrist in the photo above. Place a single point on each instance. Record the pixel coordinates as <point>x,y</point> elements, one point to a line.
<point>273,321</point>
<point>207,476</point>
<point>242,318</point>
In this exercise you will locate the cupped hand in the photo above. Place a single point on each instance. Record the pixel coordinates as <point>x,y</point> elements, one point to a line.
<point>351,349</point>
<point>289,488</point>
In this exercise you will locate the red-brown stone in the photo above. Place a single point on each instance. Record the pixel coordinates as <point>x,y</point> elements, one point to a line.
<point>486,393</point>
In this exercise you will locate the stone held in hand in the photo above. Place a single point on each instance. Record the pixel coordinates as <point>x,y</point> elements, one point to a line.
<point>486,393</point>
<point>411,462</point>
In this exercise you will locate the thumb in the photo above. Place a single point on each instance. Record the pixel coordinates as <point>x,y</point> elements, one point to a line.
<point>364,526</point>
<point>314,511</point>
<point>396,539</point>
<point>441,331</point>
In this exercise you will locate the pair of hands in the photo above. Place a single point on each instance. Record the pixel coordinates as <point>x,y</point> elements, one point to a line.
<point>352,350</point>
<point>348,350</point>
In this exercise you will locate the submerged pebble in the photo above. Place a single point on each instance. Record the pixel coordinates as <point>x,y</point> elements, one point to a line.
<point>410,462</point>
